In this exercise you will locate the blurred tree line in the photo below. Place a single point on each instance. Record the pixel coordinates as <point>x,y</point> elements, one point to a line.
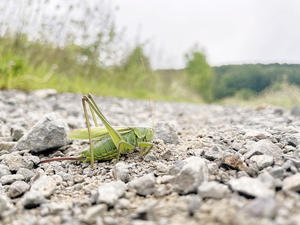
<point>242,81</point>
<point>250,79</point>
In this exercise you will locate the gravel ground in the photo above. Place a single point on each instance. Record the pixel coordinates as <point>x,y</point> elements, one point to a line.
<point>210,164</point>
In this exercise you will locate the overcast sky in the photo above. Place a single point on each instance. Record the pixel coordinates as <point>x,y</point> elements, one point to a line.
<point>230,32</point>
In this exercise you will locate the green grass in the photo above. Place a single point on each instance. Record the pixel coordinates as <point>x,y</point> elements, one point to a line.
<point>279,94</point>
<point>29,65</point>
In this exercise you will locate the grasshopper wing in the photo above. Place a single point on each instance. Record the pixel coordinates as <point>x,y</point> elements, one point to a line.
<point>97,133</point>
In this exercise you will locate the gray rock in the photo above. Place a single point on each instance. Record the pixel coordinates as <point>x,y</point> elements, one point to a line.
<point>287,165</point>
<point>162,168</point>
<point>263,161</point>
<point>88,171</point>
<point>161,191</point>
<point>194,204</point>
<point>26,173</point>
<point>294,159</point>
<point>3,152</point>
<point>57,208</point>
<point>17,133</point>
<point>143,185</point>
<point>264,147</point>
<point>122,203</point>
<point>110,193</point>
<point>4,170</point>
<point>292,183</point>
<point>92,213</point>
<point>44,185</point>
<point>214,153</point>
<point>94,197</point>
<point>31,161</point>
<point>167,179</point>
<point>278,183</point>
<point>32,199</point>
<point>150,157</point>
<point>250,187</point>
<point>212,168</point>
<point>292,140</point>
<point>236,146</point>
<point>78,187</point>
<point>257,134</point>
<point>212,189</point>
<point>191,176</point>
<point>66,176</point>
<point>8,179</point>
<point>15,161</point>
<point>251,153</point>
<point>176,167</point>
<point>147,212</point>
<point>6,145</point>
<point>279,111</point>
<point>276,171</point>
<point>267,179</point>
<point>295,110</point>
<point>167,132</point>
<point>17,188</point>
<point>166,155</point>
<point>49,132</point>
<point>3,117</point>
<point>261,207</point>
<point>77,178</point>
<point>2,204</point>
<point>121,172</point>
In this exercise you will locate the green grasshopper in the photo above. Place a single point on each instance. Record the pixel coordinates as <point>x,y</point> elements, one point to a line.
<point>110,141</point>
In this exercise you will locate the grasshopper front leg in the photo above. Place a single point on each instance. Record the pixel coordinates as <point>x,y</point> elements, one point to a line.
<point>115,135</point>
<point>147,145</point>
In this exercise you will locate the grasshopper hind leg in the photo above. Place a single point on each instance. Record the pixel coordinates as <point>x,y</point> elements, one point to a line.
<point>89,130</point>
<point>125,145</point>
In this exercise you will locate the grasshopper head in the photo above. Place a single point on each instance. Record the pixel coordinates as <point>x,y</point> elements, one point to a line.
<point>149,134</point>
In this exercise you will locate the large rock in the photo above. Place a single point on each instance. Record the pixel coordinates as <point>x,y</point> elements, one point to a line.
<point>32,199</point>
<point>292,183</point>
<point>257,134</point>
<point>110,193</point>
<point>295,110</point>
<point>4,170</point>
<point>26,173</point>
<point>250,187</point>
<point>15,162</point>
<point>143,185</point>
<point>44,185</point>
<point>263,161</point>
<point>167,132</point>
<point>92,213</point>
<point>7,145</point>
<point>121,172</point>
<point>49,132</point>
<point>212,189</point>
<point>261,207</point>
<point>264,147</point>
<point>191,176</point>
<point>8,179</point>
<point>17,188</point>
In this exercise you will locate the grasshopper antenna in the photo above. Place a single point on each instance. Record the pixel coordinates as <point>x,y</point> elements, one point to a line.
<point>156,89</point>
<point>78,158</point>
<point>148,93</point>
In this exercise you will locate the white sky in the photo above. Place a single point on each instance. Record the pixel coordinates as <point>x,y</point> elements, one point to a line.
<point>230,32</point>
